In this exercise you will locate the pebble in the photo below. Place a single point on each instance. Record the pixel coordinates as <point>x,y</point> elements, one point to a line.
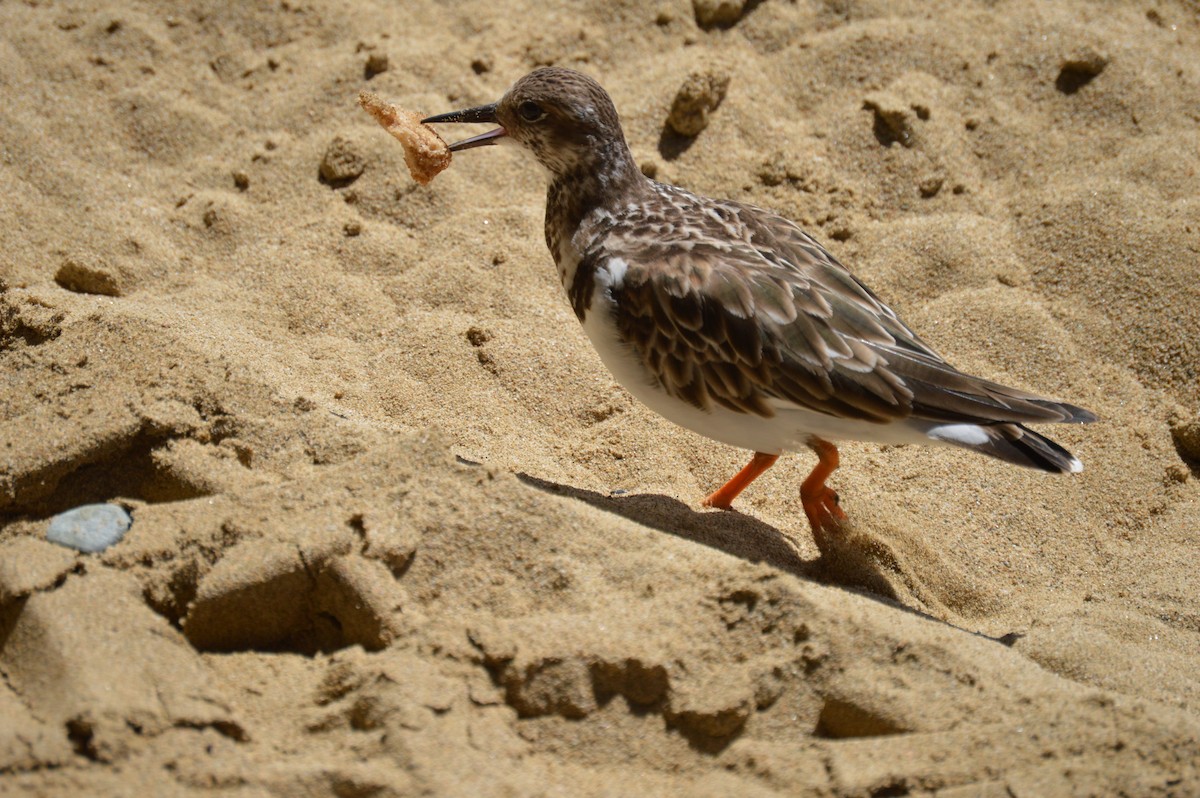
<point>90,528</point>
<point>697,98</point>
<point>1085,61</point>
<point>718,13</point>
<point>931,184</point>
<point>1080,68</point>
<point>341,162</point>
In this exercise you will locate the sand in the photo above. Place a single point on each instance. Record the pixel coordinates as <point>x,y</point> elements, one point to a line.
<point>395,529</point>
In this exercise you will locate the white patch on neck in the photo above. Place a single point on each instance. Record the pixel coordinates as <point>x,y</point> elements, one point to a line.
<point>611,274</point>
<point>570,249</point>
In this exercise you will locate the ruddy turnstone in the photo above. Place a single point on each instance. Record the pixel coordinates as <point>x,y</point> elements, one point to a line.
<point>733,322</point>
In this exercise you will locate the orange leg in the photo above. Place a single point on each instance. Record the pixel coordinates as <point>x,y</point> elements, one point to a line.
<point>821,502</point>
<point>724,497</point>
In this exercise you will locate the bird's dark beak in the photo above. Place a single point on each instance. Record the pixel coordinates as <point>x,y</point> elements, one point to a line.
<point>484,113</point>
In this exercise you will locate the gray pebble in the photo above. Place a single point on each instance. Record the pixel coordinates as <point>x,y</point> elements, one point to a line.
<point>90,528</point>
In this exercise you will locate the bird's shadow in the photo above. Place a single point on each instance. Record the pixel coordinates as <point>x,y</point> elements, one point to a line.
<point>752,540</point>
<point>731,532</point>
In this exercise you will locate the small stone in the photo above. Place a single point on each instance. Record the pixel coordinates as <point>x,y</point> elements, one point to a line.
<point>341,162</point>
<point>352,228</point>
<point>376,63</point>
<point>696,99</point>
<point>91,528</point>
<point>1177,473</point>
<point>241,180</point>
<point>481,65</point>
<point>1086,61</point>
<point>718,13</point>
<point>930,185</point>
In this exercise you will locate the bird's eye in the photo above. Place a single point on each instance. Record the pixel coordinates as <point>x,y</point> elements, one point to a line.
<point>530,111</point>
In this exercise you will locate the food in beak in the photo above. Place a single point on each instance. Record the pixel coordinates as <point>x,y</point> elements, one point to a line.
<point>425,153</point>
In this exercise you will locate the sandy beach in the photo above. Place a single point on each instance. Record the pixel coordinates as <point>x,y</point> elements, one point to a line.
<point>397,531</point>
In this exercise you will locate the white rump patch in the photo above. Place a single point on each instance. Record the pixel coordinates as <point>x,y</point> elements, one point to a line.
<point>969,434</point>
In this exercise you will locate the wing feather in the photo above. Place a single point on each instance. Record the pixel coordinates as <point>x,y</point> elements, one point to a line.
<point>740,308</point>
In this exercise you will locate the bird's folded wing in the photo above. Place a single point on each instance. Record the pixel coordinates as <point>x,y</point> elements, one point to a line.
<point>745,321</point>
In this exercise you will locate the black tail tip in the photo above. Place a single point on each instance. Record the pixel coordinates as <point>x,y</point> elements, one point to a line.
<point>1043,453</point>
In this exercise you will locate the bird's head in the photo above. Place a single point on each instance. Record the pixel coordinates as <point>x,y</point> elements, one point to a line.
<point>565,118</point>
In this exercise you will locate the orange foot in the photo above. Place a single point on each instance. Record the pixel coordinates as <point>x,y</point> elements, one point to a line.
<point>821,502</point>
<point>723,498</point>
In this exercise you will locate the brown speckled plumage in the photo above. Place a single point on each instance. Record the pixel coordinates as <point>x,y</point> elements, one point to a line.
<point>734,322</point>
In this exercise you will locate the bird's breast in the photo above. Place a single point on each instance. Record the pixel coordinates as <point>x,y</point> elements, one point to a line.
<point>579,254</point>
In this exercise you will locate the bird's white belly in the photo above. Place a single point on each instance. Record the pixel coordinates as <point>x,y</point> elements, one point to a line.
<point>788,430</point>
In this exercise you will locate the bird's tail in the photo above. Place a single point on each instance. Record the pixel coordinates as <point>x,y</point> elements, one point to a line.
<point>1012,443</point>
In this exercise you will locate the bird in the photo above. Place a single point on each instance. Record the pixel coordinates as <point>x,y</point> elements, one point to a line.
<point>731,321</point>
